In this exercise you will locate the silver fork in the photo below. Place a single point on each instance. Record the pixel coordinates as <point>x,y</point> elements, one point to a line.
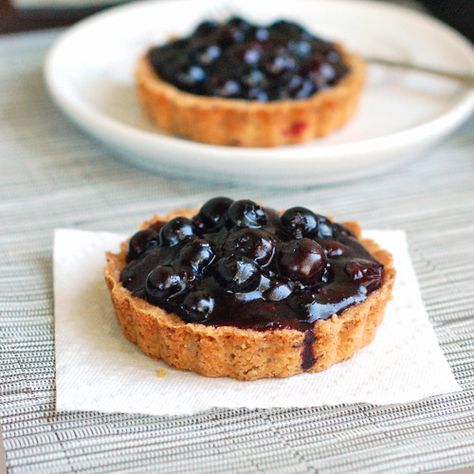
<point>465,78</point>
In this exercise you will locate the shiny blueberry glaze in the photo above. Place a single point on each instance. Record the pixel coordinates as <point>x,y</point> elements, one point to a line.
<point>238,264</point>
<point>242,60</point>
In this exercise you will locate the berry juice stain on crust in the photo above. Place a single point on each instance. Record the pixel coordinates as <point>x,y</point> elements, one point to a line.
<point>242,60</point>
<point>239,264</point>
<point>307,354</point>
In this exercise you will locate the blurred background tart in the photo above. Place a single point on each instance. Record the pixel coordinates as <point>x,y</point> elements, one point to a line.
<point>237,83</point>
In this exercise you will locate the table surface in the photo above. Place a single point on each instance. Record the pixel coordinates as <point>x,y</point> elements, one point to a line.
<point>52,175</point>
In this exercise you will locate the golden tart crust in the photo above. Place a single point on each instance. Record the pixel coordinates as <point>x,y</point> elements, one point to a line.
<point>238,122</point>
<point>245,354</point>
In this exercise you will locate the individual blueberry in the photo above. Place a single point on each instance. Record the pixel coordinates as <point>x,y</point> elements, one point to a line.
<point>246,213</point>
<point>302,260</point>
<point>258,94</point>
<point>335,249</point>
<point>307,89</point>
<point>206,28</point>
<point>333,56</point>
<point>176,230</point>
<point>212,214</point>
<point>141,242</point>
<point>299,222</point>
<point>261,34</point>
<point>208,54</point>
<point>366,273</point>
<point>237,273</point>
<point>288,29</point>
<point>240,23</point>
<point>328,72</point>
<point>197,307</point>
<point>191,76</point>
<point>300,47</point>
<point>228,88</point>
<point>196,255</point>
<point>229,35</point>
<point>279,62</point>
<point>162,283</point>
<point>278,291</point>
<point>325,227</point>
<point>248,53</point>
<point>254,79</point>
<point>299,88</point>
<point>255,244</point>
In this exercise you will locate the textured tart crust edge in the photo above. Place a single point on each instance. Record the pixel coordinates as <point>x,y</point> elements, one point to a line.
<point>245,354</point>
<point>235,122</point>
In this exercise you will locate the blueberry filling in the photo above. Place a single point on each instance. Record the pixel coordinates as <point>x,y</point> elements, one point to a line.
<point>239,264</point>
<point>242,60</point>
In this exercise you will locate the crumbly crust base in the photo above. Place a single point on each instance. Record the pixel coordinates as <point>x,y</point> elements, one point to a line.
<point>245,354</point>
<point>237,122</point>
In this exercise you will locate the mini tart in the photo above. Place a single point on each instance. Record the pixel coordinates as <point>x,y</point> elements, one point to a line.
<point>237,122</point>
<point>247,354</point>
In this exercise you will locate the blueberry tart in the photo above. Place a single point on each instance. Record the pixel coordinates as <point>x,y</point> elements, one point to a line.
<point>242,84</point>
<point>239,290</point>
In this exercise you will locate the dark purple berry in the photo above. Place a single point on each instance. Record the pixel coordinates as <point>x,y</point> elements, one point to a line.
<point>288,29</point>
<point>191,76</point>
<point>224,87</point>
<point>163,283</point>
<point>278,63</point>
<point>196,255</point>
<point>212,214</point>
<point>206,28</point>
<point>261,34</point>
<point>299,222</point>
<point>142,241</point>
<point>176,230</point>
<point>278,291</point>
<point>207,54</point>
<point>237,274</point>
<point>197,307</point>
<point>254,79</point>
<point>258,94</point>
<point>246,213</point>
<point>325,228</point>
<point>302,260</point>
<point>255,244</point>
<point>366,273</point>
<point>229,35</point>
<point>334,248</point>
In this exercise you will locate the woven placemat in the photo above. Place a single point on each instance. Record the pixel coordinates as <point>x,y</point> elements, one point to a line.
<point>51,175</point>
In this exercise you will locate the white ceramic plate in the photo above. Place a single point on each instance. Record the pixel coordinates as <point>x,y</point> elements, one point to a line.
<point>90,74</point>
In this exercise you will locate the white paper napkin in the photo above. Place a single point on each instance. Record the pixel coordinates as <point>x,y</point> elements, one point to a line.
<point>97,369</point>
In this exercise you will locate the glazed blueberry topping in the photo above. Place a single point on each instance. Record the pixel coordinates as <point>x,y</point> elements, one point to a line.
<point>246,213</point>
<point>211,215</point>
<point>162,283</point>
<point>256,244</point>
<point>367,273</point>
<point>142,241</point>
<point>237,274</point>
<point>238,59</point>
<point>195,256</point>
<point>197,307</point>
<point>239,264</point>
<point>176,230</point>
<point>303,261</point>
<point>299,222</point>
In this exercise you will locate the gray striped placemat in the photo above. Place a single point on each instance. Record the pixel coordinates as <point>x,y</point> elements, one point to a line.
<point>51,175</point>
